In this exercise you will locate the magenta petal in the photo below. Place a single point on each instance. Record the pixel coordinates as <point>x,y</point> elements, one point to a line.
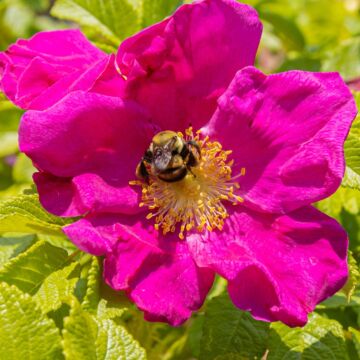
<point>58,195</point>
<point>90,144</point>
<point>109,82</point>
<point>179,67</point>
<point>96,236</point>
<point>173,290</point>
<point>38,72</point>
<point>278,267</point>
<point>81,194</point>
<point>288,131</point>
<point>159,275</point>
<point>79,80</point>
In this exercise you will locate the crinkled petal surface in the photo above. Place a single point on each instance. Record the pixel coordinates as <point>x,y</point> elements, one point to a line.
<point>288,131</point>
<point>38,72</point>
<point>159,274</point>
<point>86,147</point>
<point>178,68</point>
<point>278,267</point>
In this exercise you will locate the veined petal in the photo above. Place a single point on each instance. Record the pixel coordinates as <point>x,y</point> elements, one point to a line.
<point>38,72</point>
<point>178,68</point>
<point>91,144</point>
<point>278,267</point>
<point>288,131</point>
<point>159,274</point>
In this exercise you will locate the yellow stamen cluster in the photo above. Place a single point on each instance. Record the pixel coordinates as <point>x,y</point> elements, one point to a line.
<point>195,202</point>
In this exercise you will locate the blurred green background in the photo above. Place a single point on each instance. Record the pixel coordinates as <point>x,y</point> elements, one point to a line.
<point>314,35</point>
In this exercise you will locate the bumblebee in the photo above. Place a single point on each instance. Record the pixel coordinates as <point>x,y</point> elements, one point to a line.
<point>169,157</point>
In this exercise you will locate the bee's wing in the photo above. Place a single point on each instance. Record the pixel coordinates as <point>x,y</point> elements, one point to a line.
<point>162,159</point>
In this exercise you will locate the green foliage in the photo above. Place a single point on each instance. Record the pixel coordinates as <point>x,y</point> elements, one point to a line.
<point>22,18</point>
<point>107,22</point>
<point>92,295</point>
<point>23,170</point>
<point>354,277</point>
<point>11,246</point>
<point>25,333</point>
<point>57,287</point>
<point>86,337</point>
<point>286,29</point>
<point>356,338</point>
<point>352,152</point>
<point>230,332</point>
<point>344,59</point>
<point>112,19</point>
<point>89,330</point>
<point>29,269</point>
<point>351,179</point>
<point>152,11</point>
<point>321,338</point>
<point>25,214</point>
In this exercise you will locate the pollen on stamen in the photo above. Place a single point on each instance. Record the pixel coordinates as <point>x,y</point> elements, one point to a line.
<point>197,202</point>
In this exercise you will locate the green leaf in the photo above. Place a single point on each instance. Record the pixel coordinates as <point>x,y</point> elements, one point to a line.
<point>300,63</point>
<point>351,179</point>
<point>58,240</point>
<point>80,334</point>
<point>285,28</point>
<point>87,338</point>
<point>105,311</point>
<point>231,333</point>
<point>195,334</point>
<point>344,59</point>
<point>29,270</point>
<point>156,10</point>
<point>12,190</point>
<point>107,22</point>
<point>25,214</point>
<point>114,342</point>
<point>343,199</point>
<point>92,296</point>
<point>352,149</point>
<point>11,246</point>
<point>113,304</point>
<point>23,169</point>
<point>340,300</point>
<point>356,339</point>
<point>354,277</point>
<point>57,286</point>
<point>25,333</point>
<point>113,20</point>
<point>321,338</point>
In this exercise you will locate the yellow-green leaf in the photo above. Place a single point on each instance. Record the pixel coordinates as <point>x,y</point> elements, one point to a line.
<point>28,270</point>
<point>25,332</point>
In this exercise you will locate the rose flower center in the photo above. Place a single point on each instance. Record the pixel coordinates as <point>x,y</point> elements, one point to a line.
<point>185,181</point>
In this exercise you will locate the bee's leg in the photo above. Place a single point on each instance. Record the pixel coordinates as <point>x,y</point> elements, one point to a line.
<point>194,153</point>
<point>141,171</point>
<point>194,144</point>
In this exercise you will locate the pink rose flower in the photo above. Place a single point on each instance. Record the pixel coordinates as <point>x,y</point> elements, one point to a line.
<point>36,73</point>
<point>269,146</point>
